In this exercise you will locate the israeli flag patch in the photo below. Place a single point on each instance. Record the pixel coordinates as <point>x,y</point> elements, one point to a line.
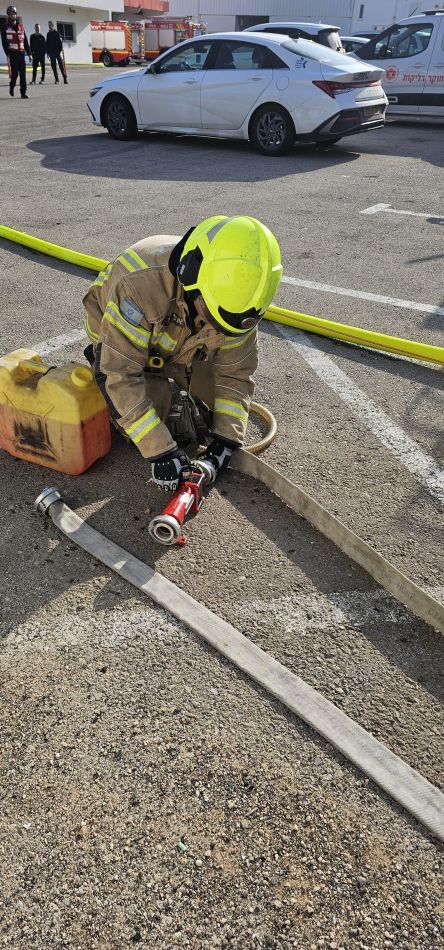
<point>131,312</point>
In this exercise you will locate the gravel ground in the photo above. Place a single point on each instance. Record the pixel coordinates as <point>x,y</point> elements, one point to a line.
<point>155,797</point>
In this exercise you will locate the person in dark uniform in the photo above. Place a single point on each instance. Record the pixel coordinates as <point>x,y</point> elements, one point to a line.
<point>15,44</point>
<point>38,50</point>
<point>54,47</point>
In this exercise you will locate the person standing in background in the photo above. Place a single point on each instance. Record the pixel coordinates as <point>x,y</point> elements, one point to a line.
<point>54,49</point>
<point>38,51</point>
<point>15,44</point>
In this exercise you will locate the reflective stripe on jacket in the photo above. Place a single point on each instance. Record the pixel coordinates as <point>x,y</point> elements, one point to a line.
<point>135,310</point>
<point>15,38</point>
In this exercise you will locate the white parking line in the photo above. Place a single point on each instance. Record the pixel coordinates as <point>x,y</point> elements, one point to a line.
<point>422,466</point>
<point>58,342</point>
<point>361,295</point>
<point>377,209</point>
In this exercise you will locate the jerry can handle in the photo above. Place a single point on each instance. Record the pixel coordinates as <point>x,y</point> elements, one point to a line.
<point>32,366</point>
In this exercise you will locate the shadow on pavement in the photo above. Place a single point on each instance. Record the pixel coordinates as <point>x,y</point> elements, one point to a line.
<point>45,260</point>
<point>158,156</point>
<point>424,141</point>
<point>424,373</point>
<point>407,642</point>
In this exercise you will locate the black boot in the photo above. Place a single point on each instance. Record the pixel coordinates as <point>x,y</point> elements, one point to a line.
<point>11,91</point>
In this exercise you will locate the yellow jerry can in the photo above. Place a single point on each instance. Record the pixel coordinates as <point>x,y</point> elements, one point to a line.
<point>53,416</point>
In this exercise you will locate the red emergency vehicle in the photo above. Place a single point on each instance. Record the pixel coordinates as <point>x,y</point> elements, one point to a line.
<point>111,42</point>
<point>120,42</point>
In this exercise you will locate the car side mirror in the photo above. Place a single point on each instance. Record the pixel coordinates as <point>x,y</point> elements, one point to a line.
<point>152,69</point>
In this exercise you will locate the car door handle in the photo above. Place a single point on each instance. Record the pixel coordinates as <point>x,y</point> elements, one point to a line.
<point>256,78</point>
<point>418,64</point>
<point>191,82</point>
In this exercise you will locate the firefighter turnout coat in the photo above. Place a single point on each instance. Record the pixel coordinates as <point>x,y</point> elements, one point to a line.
<point>136,309</point>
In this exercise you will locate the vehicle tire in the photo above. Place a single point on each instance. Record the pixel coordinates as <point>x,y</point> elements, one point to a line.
<point>107,59</point>
<point>119,118</point>
<point>272,131</point>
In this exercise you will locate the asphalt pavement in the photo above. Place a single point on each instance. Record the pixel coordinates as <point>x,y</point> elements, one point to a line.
<point>151,794</point>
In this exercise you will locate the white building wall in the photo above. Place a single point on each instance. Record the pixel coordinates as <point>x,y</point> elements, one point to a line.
<point>40,11</point>
<point>221,15</point>
<point>377,14</point>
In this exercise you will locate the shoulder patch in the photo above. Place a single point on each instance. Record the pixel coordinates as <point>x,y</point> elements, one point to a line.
<point>131,311</point>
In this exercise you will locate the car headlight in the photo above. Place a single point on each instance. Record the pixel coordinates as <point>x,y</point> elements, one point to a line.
<point>94,91</point>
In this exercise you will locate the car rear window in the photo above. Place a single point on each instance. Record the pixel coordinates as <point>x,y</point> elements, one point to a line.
<point>310,50</point>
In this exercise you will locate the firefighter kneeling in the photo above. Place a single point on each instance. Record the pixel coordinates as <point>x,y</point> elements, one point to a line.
<point>172,315</point>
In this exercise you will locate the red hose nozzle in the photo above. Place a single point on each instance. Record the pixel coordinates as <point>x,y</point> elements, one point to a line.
<point>166,528</point>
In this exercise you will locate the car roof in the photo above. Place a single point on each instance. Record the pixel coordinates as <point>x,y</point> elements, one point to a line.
<point>301,46</point>
<point>314,27</point>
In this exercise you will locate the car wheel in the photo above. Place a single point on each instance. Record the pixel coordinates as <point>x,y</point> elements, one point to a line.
<point>106,59</point>
<point>119,118</point>
<point>272,130</point>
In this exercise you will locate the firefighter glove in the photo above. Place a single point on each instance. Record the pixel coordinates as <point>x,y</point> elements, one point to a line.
<point>219,453</point>
<point>170,470</point>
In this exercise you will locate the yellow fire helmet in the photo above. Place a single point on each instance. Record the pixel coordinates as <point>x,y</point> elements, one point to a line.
<point>235,264</point>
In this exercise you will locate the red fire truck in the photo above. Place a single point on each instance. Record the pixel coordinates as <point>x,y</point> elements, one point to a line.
<point>119,42</point>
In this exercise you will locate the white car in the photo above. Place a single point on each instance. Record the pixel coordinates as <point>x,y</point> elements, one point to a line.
<point>271,90</point>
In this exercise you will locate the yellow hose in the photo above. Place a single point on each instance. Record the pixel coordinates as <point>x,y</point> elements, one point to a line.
<point>368,338</point>
<point>301,321</point>
<point>54,250</point>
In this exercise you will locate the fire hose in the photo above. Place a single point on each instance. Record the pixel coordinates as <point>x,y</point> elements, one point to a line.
<point>405,785</point>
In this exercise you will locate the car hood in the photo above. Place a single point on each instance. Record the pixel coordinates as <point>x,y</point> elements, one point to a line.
<point>121,78</point>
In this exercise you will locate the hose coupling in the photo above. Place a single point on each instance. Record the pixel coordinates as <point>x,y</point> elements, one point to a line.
<point>47,498</point>
<point>207,468</point>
